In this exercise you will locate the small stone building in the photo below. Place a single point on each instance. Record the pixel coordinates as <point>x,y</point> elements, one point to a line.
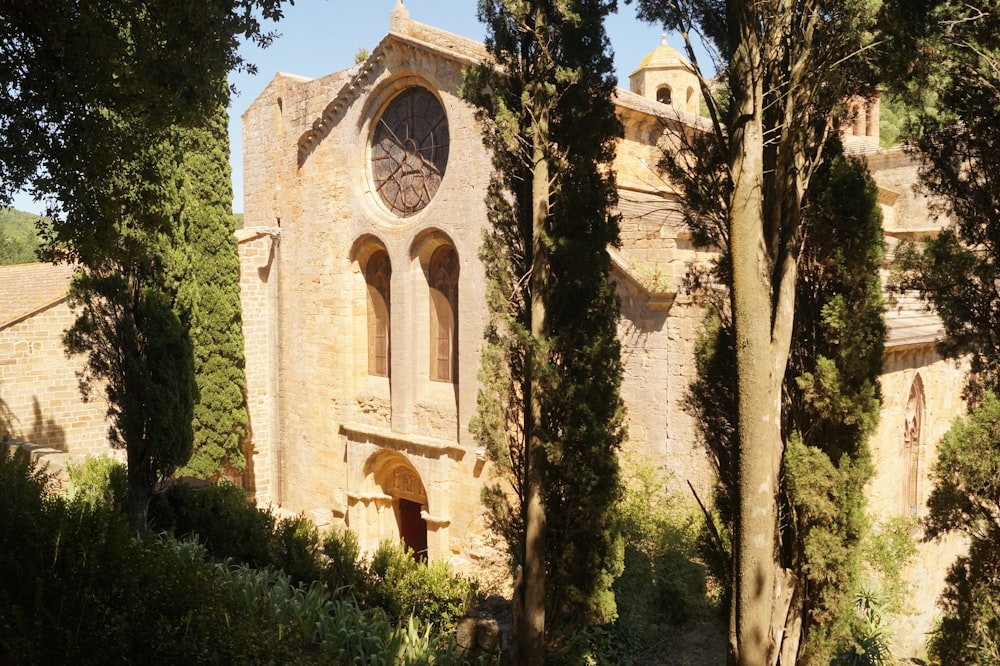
<point>40,401</point>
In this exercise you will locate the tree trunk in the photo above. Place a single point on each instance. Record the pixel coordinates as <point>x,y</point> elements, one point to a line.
<point>532,639</point>
<point>758,385</point>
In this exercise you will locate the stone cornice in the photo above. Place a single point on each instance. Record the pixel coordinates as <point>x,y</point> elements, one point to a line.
<point>422,445</point>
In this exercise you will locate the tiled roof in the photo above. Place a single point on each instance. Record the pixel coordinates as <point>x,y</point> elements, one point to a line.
<point>28,288</point>
<point>911,323</point>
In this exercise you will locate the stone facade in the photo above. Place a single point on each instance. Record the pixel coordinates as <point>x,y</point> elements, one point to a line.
<point>40,401</point>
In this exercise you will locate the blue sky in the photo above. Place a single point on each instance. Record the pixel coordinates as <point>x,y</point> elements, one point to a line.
<point>322,36</point>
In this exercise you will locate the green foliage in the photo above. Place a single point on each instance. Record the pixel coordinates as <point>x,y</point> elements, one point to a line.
<point>663,582</point>
<point>831,405</point>
<point>111,115</point>
<point>833,397</point>
<point>19,240</point>
<point>138,349</point>
<point>405,587</point>
<point>549,410</point>
<point>206,270</point>
<point>887,547</point>
<point>233,528</point>
<point>342,556</point>
<point>964,500</point>
<point>871,643</point>
<point>953,48</point>
<point>70,72</point>
<point>88,592</point>
<point>98,481</point>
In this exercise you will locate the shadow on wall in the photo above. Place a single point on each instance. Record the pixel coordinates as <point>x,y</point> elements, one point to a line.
<point>44,431</point>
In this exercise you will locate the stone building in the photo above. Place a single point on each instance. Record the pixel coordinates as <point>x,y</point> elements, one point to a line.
<point>364,299</point>
<point>364,302</point>
<point>40,402</point>
<point>364,308</point>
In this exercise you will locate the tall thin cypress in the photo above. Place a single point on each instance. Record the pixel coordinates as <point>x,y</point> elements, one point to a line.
<point>208,291</point>
<point>550,413</point>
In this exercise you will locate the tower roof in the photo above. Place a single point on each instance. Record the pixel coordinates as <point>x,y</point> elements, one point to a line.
<point>663,56</point>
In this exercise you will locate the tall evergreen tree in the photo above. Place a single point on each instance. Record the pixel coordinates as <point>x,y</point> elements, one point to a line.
<point>787,67</point>
<point>96,103</point>
<point>830,408</point>
<point>550,413</point>
<point>953,49</point>
<point>956,54</point>
<point>138,351</point>
<point>206,268</point>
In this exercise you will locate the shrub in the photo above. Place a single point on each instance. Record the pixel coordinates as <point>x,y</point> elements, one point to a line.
<point>222,517</point>
<point>97,480</point>
<point>663,581</point>
<point>404,587</point>
<point>232,526</point>
<point>344,570</point>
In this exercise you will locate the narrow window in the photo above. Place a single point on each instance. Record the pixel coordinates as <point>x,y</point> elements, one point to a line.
<point>911,447</point>
<point>377,274</point>
<point>443,279</point>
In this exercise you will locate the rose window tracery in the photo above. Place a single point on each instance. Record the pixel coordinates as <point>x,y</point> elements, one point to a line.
<point>409,151</point>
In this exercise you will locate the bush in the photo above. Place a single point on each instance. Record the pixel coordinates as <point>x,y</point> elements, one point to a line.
<point>98,480</point>
<point>86,592</point>
<point>232,527</point>
<point>344,571</point>
<point>964,500</point>
<point>663,582</point>
<point>404,587</point>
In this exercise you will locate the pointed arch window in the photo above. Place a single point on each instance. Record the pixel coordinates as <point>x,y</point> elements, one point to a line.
<point>443,282</point>
<point>378,271</point>
<point>912,425</point>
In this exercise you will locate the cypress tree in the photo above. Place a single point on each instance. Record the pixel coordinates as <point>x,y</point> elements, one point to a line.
<point>208,293</point>
<point>550,413</point>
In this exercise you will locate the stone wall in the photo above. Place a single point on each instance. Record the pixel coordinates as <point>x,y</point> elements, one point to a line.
<point>942,382</point>
<point>257,251</point>
<point>40,400</point>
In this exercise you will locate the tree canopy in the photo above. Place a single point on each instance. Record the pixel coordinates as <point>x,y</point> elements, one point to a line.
<point>953,48</point>
<point>100,112</point>
<point>788,68</point>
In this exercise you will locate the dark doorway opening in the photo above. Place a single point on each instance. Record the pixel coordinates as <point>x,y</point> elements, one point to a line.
<point>413,529</point>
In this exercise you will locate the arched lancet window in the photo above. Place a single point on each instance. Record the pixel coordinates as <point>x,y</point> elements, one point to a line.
<point>663,95</point>
<point>912,424</point>
<point>442,278</point>
<point>690,99</point>
<point>377,273</point>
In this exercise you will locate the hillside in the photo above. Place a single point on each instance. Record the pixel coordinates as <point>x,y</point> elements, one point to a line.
<point>18,237</point>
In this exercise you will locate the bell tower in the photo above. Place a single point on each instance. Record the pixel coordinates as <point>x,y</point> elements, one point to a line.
<point>666,76</point>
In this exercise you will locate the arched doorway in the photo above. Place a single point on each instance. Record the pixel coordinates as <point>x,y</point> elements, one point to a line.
<point>399,480</point>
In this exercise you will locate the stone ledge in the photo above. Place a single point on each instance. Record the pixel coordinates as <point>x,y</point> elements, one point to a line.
<point>420,444</point>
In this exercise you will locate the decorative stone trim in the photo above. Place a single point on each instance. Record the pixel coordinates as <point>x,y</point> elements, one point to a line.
<point>422,445</point>
<point>368,498</point>
<point>660,297</point>
<point>350,92</point>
